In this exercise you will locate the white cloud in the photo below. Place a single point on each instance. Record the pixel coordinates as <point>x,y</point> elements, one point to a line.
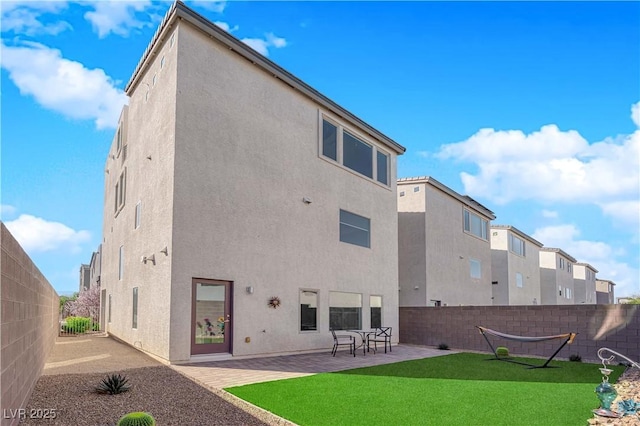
<point>7,210</point>
<point>635,113</point>
<point>262,45</point>
<point>624,213</point>
<point>119,17</point>
<point>598,254</point>
<point>549,214</point>
<point>33,17</point>
<point>549,165</point>
<point>226,26</point>
<point>214,6</point>
<point>62,85</point>
<point>37,235</point>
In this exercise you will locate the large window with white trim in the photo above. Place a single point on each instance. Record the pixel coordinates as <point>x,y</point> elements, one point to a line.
<point>475,268</point>
<point>353,152</point>
<point>345,310</point>
<point>516,245</point>
<point>475,225</point>
<point>355,229</point>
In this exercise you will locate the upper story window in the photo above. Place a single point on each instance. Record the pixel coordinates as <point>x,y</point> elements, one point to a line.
<point>519,282</point>
<point>138,213</point>
<point>121,263</point>
<point>561,263</point>
<point>475,225</point>
<point>351,151</point>
<point>402,193</point>
<point>119,140</point>
<point>120,191</point>
<point>355,229</point>
<point>516,245</point>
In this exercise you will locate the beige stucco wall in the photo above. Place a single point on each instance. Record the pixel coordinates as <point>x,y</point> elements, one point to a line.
<point>149,122</point>
<point>552,278</point>
<point>584,284</point>
<point>246,154</point>
<point>233,152</point>
<point>504,266</point>
<point>447,250</point>
<point>29,310</point>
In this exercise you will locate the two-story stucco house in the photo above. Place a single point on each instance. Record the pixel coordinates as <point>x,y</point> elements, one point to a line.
<point>515,267</point>
<point>605,292</point>
<point>556,277</point>
<point>584,283</point>
<point>245,213</point>
<point>444,250</point>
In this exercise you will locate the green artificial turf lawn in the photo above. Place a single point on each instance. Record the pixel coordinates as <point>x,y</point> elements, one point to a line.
<point>458,389</point>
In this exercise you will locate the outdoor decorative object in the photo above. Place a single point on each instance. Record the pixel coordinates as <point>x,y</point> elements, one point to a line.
<point>274,302</point>
<point>606,392</point>
<point>137,419</point>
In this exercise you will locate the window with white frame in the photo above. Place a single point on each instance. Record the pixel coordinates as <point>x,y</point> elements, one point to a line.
<point>375,306</point>
<point>569,267</point>
<point>561,263</point>
<point>355,153</point>
<point>519,282</point>
<point>119,141</point>
<point>121,263</point>
<point>355,229</point>
<point>567,293</point>
<point>134,318</point>
<point>138,212</point>
<point>475,267</point>
<point>516,245</point>
<point>475,225</point>
<point>120,191</point>
<point>402,193</point>
<point>308,310</point>
<point>345,310</point>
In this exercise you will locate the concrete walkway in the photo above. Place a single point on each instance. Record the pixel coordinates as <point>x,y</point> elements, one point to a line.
<point>99,353</point>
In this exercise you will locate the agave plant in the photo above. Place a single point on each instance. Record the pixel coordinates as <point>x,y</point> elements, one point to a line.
<point>113,384</point>
<point>137,419</point>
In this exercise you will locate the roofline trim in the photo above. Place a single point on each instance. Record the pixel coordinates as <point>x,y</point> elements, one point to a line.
<point>444,188</point>
<point>519,233</point>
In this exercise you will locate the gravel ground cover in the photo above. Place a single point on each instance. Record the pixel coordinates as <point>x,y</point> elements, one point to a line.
<point>171,398</point>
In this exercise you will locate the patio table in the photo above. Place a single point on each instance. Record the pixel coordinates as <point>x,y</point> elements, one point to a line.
<point>363,335</point>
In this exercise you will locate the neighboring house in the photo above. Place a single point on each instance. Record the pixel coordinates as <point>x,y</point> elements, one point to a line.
<point>245,213</point>
<point>556,277</point>
<point>95,266</point>
<point>515,267</point>
<point>85,278</point>
<point>584,283</point>
<point>444,250</point>
<point>605,292</point>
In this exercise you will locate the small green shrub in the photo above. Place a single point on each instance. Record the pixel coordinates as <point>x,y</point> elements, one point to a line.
<point>77,324</point>
<point>95,327</point>
<point>443,347</point>
<point>113,384</point>
<point>502,351</point>
<point>575,358</point>
<point>137,419</point>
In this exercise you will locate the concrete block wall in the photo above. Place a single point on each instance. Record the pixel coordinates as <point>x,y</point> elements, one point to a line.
<point>29,312</point>
<point>613,326</point>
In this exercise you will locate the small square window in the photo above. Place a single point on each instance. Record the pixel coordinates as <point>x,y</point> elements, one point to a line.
<point>519,280</point>
<point>416,189</point>
<point>402,193</point>
<point>475,268</point>
<point>162,63</point>
<point>355,229</point>
<point>138,212</point>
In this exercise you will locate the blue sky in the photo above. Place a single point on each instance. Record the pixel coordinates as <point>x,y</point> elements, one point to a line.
<point>532,108</point>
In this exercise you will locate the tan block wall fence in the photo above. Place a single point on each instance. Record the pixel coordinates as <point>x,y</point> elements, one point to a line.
<point>613,326</point>
<point>29,312</point>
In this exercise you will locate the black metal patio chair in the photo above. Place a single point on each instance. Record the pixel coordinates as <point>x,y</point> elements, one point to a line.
<point>343,340</point>
<point>381,335</point>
